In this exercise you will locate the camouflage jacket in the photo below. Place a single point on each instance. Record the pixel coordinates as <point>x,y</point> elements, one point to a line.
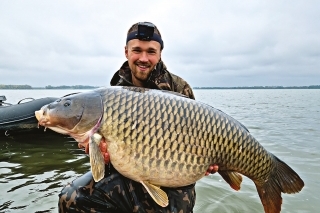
<point>160,78</point>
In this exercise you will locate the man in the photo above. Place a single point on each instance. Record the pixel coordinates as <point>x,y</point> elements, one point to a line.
<point>116,193</point>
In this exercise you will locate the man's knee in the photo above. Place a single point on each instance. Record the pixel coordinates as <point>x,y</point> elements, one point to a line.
<point>67,198</point>
<point>68,195</point>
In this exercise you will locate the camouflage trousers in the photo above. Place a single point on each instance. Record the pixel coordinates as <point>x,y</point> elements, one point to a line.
<point>116,193</point>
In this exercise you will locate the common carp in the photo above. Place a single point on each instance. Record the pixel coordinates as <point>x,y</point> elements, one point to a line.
<point>160,138</point>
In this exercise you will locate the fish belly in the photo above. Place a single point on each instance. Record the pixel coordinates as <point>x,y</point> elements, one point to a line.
<point>154,167</point>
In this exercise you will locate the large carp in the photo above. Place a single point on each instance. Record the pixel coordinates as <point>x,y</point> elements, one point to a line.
<point>159,138</point>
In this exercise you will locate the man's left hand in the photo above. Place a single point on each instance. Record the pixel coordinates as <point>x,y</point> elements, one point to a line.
<point>212,169</point>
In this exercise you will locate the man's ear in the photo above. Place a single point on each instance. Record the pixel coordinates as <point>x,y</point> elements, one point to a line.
<point>126,51</point>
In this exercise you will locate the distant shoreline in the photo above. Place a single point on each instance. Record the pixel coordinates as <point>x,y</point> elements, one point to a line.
<point>2,87</point>
<point>264,87</point>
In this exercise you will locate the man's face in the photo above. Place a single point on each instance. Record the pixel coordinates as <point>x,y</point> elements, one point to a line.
<point>142,58</point>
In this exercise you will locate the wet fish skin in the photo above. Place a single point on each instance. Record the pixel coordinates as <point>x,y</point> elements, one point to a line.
<point>161,139</point>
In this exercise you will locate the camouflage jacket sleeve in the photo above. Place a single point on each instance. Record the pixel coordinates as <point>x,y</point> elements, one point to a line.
<point>181,86</point>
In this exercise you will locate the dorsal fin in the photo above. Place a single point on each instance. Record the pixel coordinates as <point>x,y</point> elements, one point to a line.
<point>142,90</point>
<point>174,93</point>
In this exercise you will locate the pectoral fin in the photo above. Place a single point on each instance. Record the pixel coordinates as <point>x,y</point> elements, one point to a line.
<point>96,157</point>
<point>233,178</point>
<point>158,195</point>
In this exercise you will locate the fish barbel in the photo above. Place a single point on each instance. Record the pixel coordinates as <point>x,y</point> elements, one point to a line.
<point>161,138</point>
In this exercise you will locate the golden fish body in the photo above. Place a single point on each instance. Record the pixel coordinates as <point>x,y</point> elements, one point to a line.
<point>171,140</point>
<point>159,138</point>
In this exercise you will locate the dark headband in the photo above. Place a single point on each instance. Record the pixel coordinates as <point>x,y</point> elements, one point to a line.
<point>154,37</point>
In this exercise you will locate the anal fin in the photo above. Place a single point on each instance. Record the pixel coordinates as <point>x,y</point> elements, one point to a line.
<point>234,179</point>
<point>158,195</point>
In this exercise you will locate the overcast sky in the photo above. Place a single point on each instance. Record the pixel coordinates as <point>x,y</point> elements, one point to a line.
<point>208,43</point>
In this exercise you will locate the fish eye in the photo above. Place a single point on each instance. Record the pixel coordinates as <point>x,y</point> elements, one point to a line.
<point>67,103</point>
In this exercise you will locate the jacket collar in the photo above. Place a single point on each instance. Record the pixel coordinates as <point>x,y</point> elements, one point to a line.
<point>124,74</point>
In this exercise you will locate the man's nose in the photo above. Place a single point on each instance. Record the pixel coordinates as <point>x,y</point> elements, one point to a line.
<point>144,57</point>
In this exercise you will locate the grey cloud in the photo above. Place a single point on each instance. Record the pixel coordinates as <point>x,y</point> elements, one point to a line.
<point>212,43</point>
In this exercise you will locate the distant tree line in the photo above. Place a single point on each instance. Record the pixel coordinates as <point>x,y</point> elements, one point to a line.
<point>2,86</point>
<point>263,87</point>
<point>70,87</point>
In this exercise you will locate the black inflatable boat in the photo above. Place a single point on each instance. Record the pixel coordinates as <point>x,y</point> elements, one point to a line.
<point>20,116</point>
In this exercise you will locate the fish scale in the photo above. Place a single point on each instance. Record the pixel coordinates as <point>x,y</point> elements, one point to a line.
<point>159,138</point>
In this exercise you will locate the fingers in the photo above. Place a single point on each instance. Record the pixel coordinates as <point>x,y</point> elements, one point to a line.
<point>103,148</point>
<point>212,169</point>
<point>103,145</point>
<point>215,168</point>
<point>104,151</point>
<point>106,157</point>
<point>87,149</point>
<point>80,146</point>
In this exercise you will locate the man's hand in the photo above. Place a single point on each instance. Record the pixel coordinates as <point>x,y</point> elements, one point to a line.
<point>212,169</point>
<point>103,149</point>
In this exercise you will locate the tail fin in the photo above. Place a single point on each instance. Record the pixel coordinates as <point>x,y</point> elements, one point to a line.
<point>282,179</point>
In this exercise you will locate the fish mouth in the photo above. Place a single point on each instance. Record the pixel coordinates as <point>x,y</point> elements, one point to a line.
<point>42,117</point>
<point>44,120</point>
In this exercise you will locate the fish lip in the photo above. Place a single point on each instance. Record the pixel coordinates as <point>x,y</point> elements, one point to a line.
<point>42,118</point>
<point>38,114</point>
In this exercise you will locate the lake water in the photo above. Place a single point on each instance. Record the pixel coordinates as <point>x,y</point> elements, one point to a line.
<point>33,169</point>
